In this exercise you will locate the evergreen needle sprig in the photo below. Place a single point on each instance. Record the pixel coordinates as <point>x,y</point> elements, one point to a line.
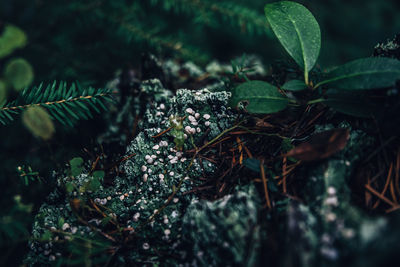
<point>217,13</point>
<point>66,104</point>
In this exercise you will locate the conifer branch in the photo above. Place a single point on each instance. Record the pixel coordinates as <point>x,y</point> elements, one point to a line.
<point>65,104</point>
<point>248,20</point>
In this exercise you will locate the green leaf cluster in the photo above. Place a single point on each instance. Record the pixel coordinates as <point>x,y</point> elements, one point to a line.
<point>344,86</point>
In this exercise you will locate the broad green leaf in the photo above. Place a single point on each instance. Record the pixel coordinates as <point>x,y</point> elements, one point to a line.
<point>11,39</point>
<point>38,122</point>
<point>354,103</point>
<point>261,97</point>
<point>19,73</point>
<point>98,174</point>
<point>297,30</point>
<point>294,85</point>
<point>365,73</point>
<point>76,165</point>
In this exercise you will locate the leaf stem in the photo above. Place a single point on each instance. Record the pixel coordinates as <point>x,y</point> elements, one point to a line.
<point>306,77</point>
<point>319,100</point>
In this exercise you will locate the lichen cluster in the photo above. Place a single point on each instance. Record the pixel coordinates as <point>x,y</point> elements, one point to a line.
<point>149,202</point>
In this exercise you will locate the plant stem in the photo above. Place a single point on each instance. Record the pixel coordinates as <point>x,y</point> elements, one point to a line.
<point>319,100</point>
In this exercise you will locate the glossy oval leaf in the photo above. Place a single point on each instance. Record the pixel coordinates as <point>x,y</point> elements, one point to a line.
<point>294,85</point>
<point>19,73</point>
<point>260,97</point>
<point>365,73</point>
<point>297,30</point>
<point>11,39</point>
<point>354,103</point>
<point>38,122</point>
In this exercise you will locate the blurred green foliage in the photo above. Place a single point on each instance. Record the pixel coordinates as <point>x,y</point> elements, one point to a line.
<point>88,40</point>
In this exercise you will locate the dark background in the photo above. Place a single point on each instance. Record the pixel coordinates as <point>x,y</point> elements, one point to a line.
<point>88,41</point>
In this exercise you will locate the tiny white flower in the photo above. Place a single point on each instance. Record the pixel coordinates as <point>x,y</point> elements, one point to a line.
<point>167,232</point>
<point>145,176</point>
<point>144,168</point>
<point>330,217</point>
<point>121,197</point>
<point>206,116</point>
<point>188,129</point>
<point>161,176</point>
<point>189,110</point>
<point>65,226</point>
<point>198,130</point>
<point>156,147</point>
<point>150,161</point>
<point>195,123</point>
<point>197,115</point>
<point>171,174</point>
<point>331,190</point>
<point>332,201</point>
<point>162,106</point>
<point>146,246</point>
<point>174,214</point>
<point>191,118</point>
<point>207,123</point>
<point>136,216</point>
